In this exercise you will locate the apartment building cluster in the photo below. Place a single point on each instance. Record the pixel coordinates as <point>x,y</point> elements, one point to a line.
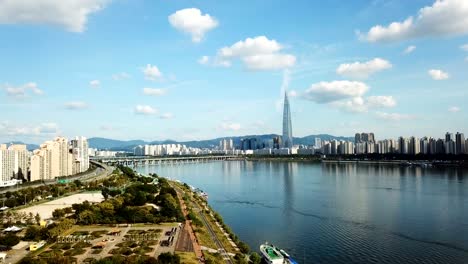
<point>365,143</point>
<point>54,158</point>
<point>164,150</point>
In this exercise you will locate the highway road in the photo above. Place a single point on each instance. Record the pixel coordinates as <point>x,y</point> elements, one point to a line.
<point>96,174</point>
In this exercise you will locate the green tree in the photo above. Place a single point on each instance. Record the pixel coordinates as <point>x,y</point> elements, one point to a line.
<point>37,217</point>
<point>32,233</point>
<point>58,213</point>
<point>255,258</point>
<point>168,258</point>
<point>9,240</point>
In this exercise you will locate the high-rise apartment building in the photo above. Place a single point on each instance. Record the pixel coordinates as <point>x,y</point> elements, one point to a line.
<point>79,147</point>
<point>14,163</point>
<point>287,126</point>
<point>57,158</point>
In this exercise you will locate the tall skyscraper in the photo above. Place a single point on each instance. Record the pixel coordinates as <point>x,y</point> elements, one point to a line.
<point>460,143</point>
<point>287,126</point>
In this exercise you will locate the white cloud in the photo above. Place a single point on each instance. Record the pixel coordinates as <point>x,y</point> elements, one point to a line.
<point>152,72</point>
<point>230,126</point>
<point>464,47</point>
<point>362,70</point>
<point>76,105</point>
<point>95,83</point>
<point>6,128</point>
<point>216,62</point>
<point>381,101</point>
<point>22,91</point>
<point>257,53</point>
<point>443,18</point>
<point>269,61</point>
<point>46,128</point>
<point>325,92</point>
<point>154,91</point>
<point>454,109</point>
<point>251,47</point>
<point>393,116</point>
<point>356,104</point>
<point>204,60</point>
<point>70,14</point>
<point>409,49</point>
<point>166,116</point>
<point>191,21</point>
<point>145,110</point>
<point>360,104</point>
<point>438,75</point>
<point>120,76</point>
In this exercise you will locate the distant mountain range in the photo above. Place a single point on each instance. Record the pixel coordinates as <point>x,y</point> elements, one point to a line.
<point>120,145</point>
<point>30,147</point>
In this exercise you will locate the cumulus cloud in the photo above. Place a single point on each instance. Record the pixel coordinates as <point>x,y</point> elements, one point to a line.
<point>393,116</point>
<point>23,90</point>
<point>258,53</point>
<point>443,18</point>
<point>76,105</point>
<point>269,61</point>
<point>71,14</point>
<point>152,72</point>
<point>362,70</point>
<point>464,47</point>
<point>43,129</point>
<point>46,128</point>
<point>438,75</point>
<point>230,126</point>
<point>154,91</point>
<point>95,83</point>
<point>120,76</point>
<point>360,104</point>
<point>193,22</point>
<point>381,101</point>
<point>204,60</point>
<point>166,116</point>
<point>326,92</point>
<point>145,110</point>
<point>409,49</point>
<point>454,109</point>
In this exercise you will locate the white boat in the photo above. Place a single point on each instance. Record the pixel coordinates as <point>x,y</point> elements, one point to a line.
<point>273,255</point>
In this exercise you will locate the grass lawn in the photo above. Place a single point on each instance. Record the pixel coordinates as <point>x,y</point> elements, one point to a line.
<point>187,257</point>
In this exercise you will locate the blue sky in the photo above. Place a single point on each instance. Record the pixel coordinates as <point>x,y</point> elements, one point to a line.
<point>218,68</point>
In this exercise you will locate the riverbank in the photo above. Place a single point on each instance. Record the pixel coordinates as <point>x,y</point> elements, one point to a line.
<point>208,231</point>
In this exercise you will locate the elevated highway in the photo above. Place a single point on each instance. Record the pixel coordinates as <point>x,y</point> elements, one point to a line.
<point>159,160</point>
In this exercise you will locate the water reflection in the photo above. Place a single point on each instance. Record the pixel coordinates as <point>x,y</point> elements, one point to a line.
<point>340,213</point>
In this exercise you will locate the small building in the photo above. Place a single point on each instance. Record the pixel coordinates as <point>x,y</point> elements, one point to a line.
<point>3,257</point>
<point>115,232</point>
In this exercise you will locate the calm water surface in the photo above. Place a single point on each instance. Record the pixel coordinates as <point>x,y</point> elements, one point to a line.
<point>339,213</point>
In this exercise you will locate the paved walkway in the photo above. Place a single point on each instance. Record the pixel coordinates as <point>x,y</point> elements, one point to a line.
<point>188,228</point>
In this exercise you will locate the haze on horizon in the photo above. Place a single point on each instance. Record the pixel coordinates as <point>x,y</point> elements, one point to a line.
<point>181,70</point>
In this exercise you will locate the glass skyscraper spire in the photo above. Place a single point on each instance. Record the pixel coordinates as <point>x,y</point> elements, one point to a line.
<point>287,127</point>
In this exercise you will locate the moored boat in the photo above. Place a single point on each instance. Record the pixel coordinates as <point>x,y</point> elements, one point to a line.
<point>273,255</point>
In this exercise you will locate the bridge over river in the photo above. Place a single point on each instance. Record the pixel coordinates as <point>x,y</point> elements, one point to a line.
<point>159,160</point>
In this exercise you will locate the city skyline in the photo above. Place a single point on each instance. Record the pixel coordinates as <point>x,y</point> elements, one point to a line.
<point>83,77</point>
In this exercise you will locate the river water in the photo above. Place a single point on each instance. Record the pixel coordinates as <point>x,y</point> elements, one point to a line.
<point>339,213</point>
